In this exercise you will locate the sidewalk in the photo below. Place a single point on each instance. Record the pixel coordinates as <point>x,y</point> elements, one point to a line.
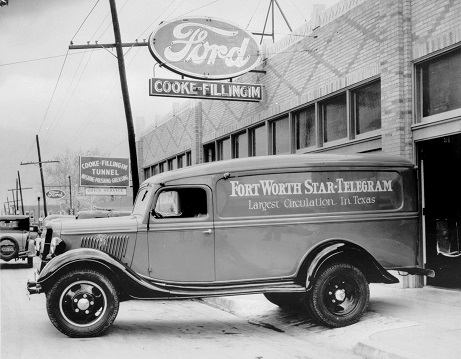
<point>400,323</point>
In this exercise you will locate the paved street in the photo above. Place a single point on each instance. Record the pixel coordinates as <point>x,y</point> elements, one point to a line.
<point>414,323</point>
<point>143,329</point>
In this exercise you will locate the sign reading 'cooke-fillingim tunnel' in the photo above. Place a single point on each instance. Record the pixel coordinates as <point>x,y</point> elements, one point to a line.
<point>104,172</point>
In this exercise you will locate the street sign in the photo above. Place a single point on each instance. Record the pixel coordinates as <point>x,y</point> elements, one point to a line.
<point>55,193</point>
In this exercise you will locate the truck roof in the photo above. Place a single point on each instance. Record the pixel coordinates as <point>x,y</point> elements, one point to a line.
<point>280,162</point>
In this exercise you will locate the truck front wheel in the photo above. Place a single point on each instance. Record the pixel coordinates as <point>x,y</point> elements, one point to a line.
<point>82,303</point>
<point>339,295</point>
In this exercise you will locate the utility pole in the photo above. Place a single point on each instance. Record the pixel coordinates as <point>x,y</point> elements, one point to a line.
<point>17,195</point>
<point>71,210</point>
<point>125,94</point>
<point>41,175</point>
<point>126,99</point>
<point>14,200</point>
<point>20,191</point>
<point>8,204</point>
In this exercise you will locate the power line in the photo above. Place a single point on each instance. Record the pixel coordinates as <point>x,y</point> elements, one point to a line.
<point>54,91</point>
<point>43,58</point>
<point>56,120</point>
<point>85,19</point>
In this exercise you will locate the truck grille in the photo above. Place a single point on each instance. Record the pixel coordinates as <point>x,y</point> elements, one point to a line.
<point>113,245</point>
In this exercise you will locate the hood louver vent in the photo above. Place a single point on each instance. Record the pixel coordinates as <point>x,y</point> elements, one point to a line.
<point>112,245</point>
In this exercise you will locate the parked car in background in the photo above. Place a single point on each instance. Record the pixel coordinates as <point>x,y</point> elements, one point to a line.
<point>16,240</point>
<point>92,214</point>
<point>118,213</point>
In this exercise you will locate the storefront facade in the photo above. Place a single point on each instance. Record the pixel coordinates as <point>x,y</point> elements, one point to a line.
<point>363,76</point>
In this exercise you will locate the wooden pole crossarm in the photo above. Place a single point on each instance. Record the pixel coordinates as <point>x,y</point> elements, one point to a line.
<point>105,46</point>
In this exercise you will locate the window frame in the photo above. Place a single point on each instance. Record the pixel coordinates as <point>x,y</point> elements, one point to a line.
<point>272,134</point>
<point>418,83</point>
<point>179,219</point>
<point>251,139</point>
<point>353,107</point>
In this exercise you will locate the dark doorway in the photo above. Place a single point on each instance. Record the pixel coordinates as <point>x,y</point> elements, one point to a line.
<point>441,165</point>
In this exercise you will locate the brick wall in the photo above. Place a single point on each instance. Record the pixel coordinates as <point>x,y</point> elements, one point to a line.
<point>357,40</point>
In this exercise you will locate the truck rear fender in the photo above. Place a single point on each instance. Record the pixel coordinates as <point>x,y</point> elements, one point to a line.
<point>346,252</point>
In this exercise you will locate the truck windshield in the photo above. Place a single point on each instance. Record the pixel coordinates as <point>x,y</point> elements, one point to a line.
<point>142,200</point>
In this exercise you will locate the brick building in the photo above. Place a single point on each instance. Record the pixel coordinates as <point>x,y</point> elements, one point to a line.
<point>361,76</point>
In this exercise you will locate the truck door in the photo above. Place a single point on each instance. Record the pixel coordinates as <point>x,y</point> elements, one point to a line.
<point>181,235</point>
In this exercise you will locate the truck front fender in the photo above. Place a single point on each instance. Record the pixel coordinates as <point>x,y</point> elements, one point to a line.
<point>126,280</point>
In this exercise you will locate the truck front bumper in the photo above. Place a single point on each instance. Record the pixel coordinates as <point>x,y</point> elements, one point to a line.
<point>33,287</point>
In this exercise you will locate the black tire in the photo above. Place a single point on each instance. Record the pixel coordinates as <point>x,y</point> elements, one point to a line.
<point>286,300</point>
<point>339,296</point>
<point>30,262</point>
<point>9,249</point>
<point>82,303</point>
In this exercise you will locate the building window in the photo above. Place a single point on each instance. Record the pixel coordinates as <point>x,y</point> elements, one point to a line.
<point>161,167</point>
<point>367,108</point>
<point>224,149</point>
<point>209,152</point>
<point>154,170</point>
<point>305,128</point>
<point>334,118</point>
<point>280,135</point>
<point>240,145</point>
<point>180,159</point>
<point>171,164</point>
<point>440,84</point>
<point>146,173</point>
<point>189,158</point>
<point>258,141</point>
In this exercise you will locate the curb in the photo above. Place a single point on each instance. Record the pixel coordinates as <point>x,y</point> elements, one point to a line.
<point>371,349</point>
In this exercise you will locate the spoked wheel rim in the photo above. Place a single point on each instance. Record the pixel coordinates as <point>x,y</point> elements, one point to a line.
<point>83,303</point>
<point>341,295</point>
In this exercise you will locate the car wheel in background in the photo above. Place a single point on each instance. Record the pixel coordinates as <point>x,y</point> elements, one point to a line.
<point>9,249</point>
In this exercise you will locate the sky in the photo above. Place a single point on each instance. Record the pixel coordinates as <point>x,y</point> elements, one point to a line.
<point>72,99</point>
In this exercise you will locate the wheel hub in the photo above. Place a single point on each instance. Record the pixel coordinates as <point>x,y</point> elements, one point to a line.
<point>340,295</point>
<point>83,304</point>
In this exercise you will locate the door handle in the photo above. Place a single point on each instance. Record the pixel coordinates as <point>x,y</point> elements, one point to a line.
<point>208,231</point>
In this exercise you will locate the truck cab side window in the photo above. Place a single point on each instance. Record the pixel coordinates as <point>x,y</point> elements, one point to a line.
<point>182,203</point>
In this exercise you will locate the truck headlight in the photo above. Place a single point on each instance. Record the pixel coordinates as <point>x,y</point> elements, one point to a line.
<point>55,241</point>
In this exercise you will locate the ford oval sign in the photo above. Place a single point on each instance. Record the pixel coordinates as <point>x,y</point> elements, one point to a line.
<point>55,193</point>
<point>204,48</point>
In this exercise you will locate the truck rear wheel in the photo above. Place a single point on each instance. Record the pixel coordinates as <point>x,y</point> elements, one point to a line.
<point>339,296</point>
<point>82,303</point>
